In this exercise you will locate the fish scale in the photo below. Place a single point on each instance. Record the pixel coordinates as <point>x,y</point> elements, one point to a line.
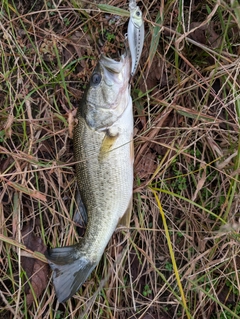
<point>109,173</point>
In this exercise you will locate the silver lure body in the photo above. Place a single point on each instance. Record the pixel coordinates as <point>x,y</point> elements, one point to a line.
<point>135,34</point>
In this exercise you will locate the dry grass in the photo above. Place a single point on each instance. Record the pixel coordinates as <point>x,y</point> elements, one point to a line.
<point>180,258</point>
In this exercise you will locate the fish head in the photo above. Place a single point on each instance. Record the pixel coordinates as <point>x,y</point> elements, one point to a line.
<point>108,92</point>
<point>136,17</point>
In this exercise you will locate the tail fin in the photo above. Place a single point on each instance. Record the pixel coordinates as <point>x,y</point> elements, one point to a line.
<point>70,270</point>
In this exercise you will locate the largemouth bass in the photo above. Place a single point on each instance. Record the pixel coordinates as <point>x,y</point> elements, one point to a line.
<point>104,153</point>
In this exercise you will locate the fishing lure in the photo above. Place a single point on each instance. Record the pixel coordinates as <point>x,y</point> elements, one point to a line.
<point>135,34</point>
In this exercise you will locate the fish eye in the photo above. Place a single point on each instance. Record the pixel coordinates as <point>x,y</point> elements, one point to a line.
<point>138,13</point>
<point>96,78</point>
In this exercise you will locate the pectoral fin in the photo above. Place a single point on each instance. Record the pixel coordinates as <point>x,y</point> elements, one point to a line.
<point>126,218</point>
<point>107,143</point>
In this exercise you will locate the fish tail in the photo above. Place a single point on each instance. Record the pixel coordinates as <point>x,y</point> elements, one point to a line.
<point>70,270</point>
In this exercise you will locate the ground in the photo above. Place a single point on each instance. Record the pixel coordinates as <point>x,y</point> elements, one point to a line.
<point>180,256</point>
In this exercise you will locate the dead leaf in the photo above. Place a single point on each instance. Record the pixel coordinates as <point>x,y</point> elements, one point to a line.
<point>205,34</point>
<point>71,122</point>
<point>8,125</point>
<point>200,184</point>
<point>155,75</point>
<point>146,166</point>
<point>81,44</point>
<point>36,270</point>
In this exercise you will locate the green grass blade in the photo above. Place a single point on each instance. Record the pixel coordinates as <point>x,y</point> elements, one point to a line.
<point>113,10</point>
<point>172,255</point>
<point>155,40</point>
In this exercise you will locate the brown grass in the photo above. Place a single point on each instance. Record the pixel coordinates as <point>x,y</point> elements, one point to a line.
<point>186,110</point>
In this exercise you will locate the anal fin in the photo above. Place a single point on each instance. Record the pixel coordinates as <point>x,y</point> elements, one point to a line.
<point>126,218</point>
<point>80,216</point>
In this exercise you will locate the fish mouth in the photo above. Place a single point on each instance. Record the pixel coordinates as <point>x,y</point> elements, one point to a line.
<point>116,71</point>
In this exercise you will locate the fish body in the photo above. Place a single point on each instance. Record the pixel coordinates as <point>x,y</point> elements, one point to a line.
<point>135,34</point>
<point>103,150</point>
